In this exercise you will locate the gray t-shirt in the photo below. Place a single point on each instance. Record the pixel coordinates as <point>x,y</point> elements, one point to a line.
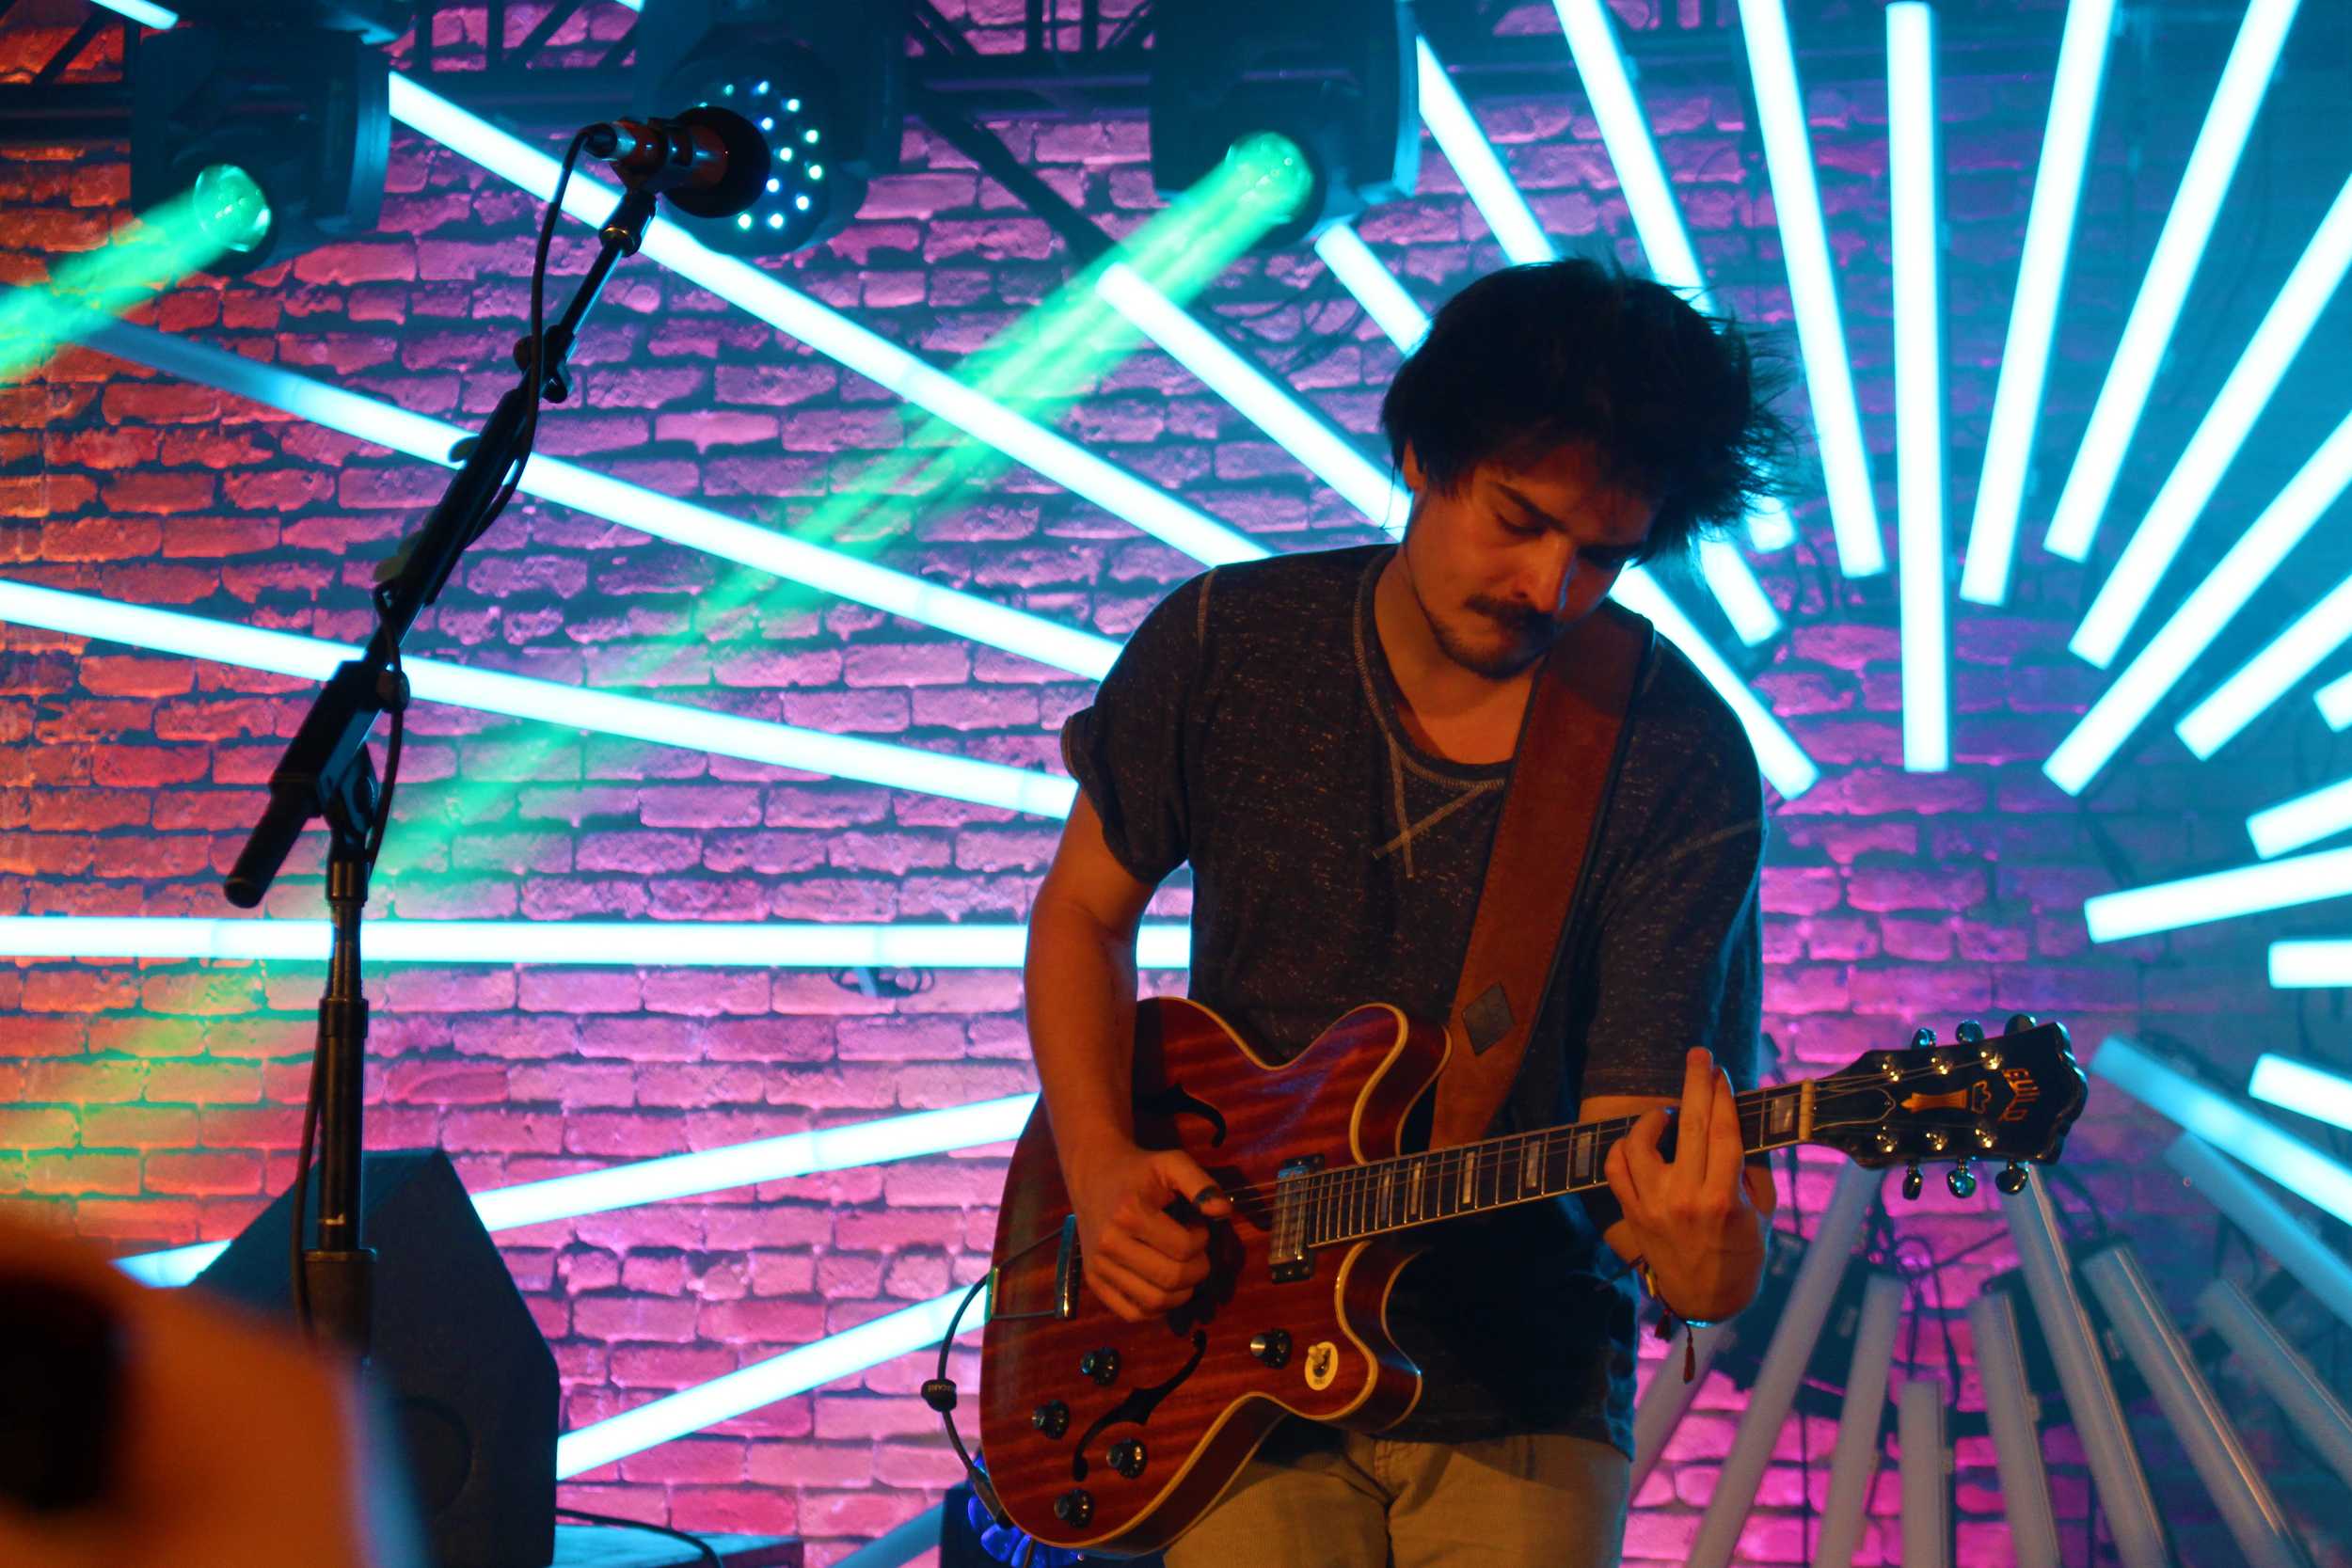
<point>1250,726</point>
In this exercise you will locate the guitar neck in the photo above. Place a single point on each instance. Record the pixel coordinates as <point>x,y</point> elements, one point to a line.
<point>1327,1207</point>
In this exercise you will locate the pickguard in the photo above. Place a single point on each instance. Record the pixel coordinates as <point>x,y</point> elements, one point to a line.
<point>1136,1407</point>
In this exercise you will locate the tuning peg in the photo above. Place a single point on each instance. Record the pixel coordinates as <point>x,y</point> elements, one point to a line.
<point>2011,1179</point>
<point>1922,1039</point>
<point>1969,1033</point>
<point>1911,1182</point>
<point>1961,1180</point>
<point>2019,1022</point>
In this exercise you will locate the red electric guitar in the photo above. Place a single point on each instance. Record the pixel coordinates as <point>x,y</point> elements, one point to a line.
<point>1112,1437</point>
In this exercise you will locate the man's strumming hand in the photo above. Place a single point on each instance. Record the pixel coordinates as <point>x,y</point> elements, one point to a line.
<point>1138,1259</point>
<point>1699,1219</point>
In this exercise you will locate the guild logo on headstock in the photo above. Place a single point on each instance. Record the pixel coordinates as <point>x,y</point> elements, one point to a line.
<point>2022,1091</point>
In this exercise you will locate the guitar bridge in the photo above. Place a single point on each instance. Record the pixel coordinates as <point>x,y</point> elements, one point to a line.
<point>1290,1253</point>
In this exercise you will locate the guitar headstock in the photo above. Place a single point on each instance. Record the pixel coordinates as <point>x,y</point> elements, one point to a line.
<point>2009,1095</point>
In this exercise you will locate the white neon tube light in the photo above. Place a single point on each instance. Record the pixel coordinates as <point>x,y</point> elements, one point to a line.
<point>2228,1124</point>
<point>2289,1240</point>
<point>1915,219</point>
<point>1388,302</point>
<point>1649,197</point>
<point>2243,890</point>
<point>2180,247</point>
<point>2285,326</point>
<point>2335,703</point>
<point>1665,1398</point>
<point>1744,603</point>
<point>2057,186</point>
<point>1291,424</point>
<point>2010,1411</point>
<point>1777,753</point>
<point>877,1142</point>
<point>144,13</point>
<point>2305,819</point>
<point>2255,1521</point>
<point>2281,1371</point>
<point>632,506</point>
<point>1491,189</point>
<point>570,706</point>
<point>1853,1463</point>
<point>831,334</point>
<point>1813,289</point>
<point>643,944</point>
<point>2248,564</point>
<point>2302,1087</point>
<point>2248,694</point>
<point>779,1377</point>
<point>2312,963</point>
<point>1926,1467</point>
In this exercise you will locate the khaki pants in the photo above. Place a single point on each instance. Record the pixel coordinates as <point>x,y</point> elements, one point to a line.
<point>1315,1497</point>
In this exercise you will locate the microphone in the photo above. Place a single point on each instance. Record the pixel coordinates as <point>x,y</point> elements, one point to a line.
<point>711,163</point>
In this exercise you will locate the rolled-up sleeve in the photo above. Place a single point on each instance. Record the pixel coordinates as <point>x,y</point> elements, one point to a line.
<point>1127,750</point>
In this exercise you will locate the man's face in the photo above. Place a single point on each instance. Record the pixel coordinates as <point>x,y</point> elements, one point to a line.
<point>1517,555</point>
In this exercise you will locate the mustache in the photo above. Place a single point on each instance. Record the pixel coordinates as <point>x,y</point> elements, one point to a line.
<point>1529,623</point>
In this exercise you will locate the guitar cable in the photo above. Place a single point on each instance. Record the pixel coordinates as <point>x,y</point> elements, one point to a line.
<point>939,1392</point>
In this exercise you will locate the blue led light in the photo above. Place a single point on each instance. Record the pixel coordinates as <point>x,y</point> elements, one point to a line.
<point>2243,890</point>
<point>2227,1124</point>
<point>2308,640</point>
<point>2312,962</point>
<point>2302,1087</point>
<point>2305,820</point>
<point>1915,222</point>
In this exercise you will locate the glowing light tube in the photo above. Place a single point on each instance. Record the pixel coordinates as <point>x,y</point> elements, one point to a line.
<point>2313,962</point>
<point>2227,1124</point>
<point>1854,1461</point>
<point>1926,1473</point>
<point>1625,131</point>
<point>711,1170</point>
<point>2057,186</point>
<point>1784,1363</point>
<point>632,506</point>
<point>571,706</point>
<point>2010,1410</point>
<point>1813,288</point>
<point>647,945</point>
<point>1389,305</point>
<point>2319,1268</point>
<point>1783,761</point>
<point>2180,247</point>
<point>1665,1398</point>
<point>2121,710</point>
<point>2091,1401</point>
<point>2335,703</point>
<point>2244,890</point>
<point>1727,576</point>
<point>2156,542</point>
<point>2255,1521</point>
<point>144,13</point>
<point>2305,819</point>
<point>831,334</point>
<point>2282,1371</point>
<point>1491,189</point>
<point>779,1377</point>
<point>2303,1088</point>
<point>2294,653</point>
<point>1291,424</point>
<point>1913,172</point>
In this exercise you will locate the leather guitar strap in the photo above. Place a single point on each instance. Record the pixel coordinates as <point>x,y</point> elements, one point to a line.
<point>1568,747</point>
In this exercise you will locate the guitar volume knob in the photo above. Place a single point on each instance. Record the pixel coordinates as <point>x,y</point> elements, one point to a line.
<point>1126,1457</point>
<point>1074,1507</point>
<point>1273,1347</point>
<point>1101,1365</point>
<point>1051,1417</point>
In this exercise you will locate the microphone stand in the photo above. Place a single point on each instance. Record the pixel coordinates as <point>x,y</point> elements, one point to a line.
<point>325,772</point>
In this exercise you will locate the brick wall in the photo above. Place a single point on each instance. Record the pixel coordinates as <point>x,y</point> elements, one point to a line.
<point>156,1104</point>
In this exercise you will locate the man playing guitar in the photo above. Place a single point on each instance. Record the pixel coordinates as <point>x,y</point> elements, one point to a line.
<point>1326,739</point>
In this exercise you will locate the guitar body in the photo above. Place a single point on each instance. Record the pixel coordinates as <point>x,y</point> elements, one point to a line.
<point>1187,1388</point>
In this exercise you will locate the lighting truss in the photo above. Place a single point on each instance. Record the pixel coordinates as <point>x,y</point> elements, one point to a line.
<point>569,706</point>
<point>2324,963</point>
<point>2316,1266</point>
<point>1853,1463</point>
<point>2246,391</point>
<point>2243,890</point>
<point>2281,1371</point>
<point>2227,1124</point>
<point>2180,247</point>
<point>2308,641</point>
<point>2248,564</point>
<point>1812,288</point>
<point>1916,217</point>
<point>2305,819</point>
<point>780,1377</point>
<point>2091,1405</point>
<point>880,1141</point>
<point>2255,1521</point>
<point>1783,1366</point>
<point>2010,1411</point>
<point>645,944</point>
<point>2302,1087</point>
<point>2057,188</point>
<point>632,506</point>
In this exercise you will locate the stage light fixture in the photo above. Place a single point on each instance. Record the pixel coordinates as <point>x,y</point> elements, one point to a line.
<point>1853,1463</point>
<point>1332,77</point>
<point>278,133</point>
<point>2321,964</point>
<point>1914,174</point>
<point>2136,1318</point>
<point>1926,1467</point>
<point>2289,1240</point>
<point>2302,1087</point>
<point>2057,186</point>
<point>1389,305</point>
<point>2242,890</point>
<point>2013,1414</point>
<point>2284,1372</point>
<point>2324,626</point>
<point>2335,703</point>
<point>823,83</point>
<point>2305,820</point>
<point>2229,1124</point>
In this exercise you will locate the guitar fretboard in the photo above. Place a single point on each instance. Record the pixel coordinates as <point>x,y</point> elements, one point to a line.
<point>1327,1207</point>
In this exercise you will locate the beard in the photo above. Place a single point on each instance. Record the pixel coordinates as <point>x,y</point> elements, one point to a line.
<point>1526,637</point>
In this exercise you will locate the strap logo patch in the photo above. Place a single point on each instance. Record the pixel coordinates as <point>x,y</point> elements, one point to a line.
<point>1486,1019</point>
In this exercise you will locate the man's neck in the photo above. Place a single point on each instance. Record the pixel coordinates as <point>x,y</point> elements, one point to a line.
<point>1450,708</point>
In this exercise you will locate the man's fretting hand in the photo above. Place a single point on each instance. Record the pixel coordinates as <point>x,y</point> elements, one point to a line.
<point>1139,1259</point>
<point>1698,1220</point>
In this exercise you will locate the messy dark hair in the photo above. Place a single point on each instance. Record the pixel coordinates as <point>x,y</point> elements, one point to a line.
<point>1676,403</point>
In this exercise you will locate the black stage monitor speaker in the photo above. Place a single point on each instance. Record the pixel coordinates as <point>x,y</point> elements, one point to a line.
<point>455,1357</point>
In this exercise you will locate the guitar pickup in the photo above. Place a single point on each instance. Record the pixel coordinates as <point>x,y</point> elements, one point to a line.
<point>1291,1250</point>
<point>1066,1271</point>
